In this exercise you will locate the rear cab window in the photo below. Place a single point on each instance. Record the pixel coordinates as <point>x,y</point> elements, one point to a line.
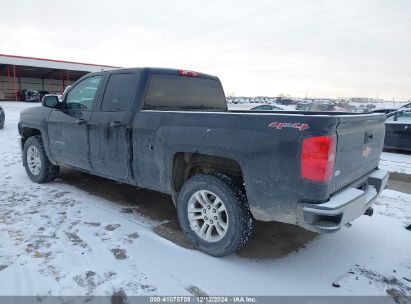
<point>118,92</point>
<point>176,92</point>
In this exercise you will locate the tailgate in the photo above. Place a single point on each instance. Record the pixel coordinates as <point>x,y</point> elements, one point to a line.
<point>360,139</point>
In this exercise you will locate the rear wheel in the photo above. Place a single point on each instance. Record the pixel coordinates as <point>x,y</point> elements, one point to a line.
<point>38,166</point>
<point>214,214</point>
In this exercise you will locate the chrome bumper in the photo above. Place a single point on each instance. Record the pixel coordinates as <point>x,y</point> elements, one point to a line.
<point>343,207</point>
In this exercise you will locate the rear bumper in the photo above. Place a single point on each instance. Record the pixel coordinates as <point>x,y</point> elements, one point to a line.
<point>343,207</point>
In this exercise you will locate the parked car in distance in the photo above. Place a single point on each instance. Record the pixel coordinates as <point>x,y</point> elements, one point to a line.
<point>30,96</point>
<point>303,105</point>
<point>266,108</point>
<point>42,93</point>
<point>319,106</point>
<point>369,107</point>
<point>2,118</point>
<point>170,131</point>
<point>284,101</point>
<point>398,130</point>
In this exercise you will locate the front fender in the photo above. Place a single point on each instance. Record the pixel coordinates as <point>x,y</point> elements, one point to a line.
<point>34,121</point>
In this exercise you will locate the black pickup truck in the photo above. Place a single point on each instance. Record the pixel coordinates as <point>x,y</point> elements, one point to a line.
<point>170,131</point>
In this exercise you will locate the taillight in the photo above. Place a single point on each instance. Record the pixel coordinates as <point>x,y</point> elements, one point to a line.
<point>318,157</point>
<point>188,73</point>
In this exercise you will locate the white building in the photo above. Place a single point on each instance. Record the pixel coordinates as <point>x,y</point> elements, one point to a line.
<point>40,74</point>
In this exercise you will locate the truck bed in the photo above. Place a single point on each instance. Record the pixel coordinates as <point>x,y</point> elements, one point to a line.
<point>267,147</point>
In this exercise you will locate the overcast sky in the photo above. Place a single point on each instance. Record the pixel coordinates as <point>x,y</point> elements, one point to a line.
<point>321,48</point>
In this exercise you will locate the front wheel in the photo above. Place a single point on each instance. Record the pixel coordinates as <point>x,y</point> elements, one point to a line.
<point>38,166</point>
<point>214,214</point>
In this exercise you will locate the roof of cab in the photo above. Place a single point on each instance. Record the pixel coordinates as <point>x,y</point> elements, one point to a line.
<point>167,71</point>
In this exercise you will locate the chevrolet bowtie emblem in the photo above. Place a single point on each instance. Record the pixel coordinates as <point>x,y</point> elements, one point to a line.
<point>366,152</point>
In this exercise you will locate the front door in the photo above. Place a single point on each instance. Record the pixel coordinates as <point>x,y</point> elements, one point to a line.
<point>398,131</point>
<point>110,133</point>
<point>68,128</point>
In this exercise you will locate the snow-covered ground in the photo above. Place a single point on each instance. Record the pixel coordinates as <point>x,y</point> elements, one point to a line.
<point>58,240</point>
<point>396,162</point>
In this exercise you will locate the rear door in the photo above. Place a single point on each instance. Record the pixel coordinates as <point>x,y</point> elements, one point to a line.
<point>398,131</point>
<point>68,128</point>
<point>110,135</point>
<point>360,140</point>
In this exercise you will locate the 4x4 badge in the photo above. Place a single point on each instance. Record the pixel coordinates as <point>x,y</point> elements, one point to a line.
<point>294,125</point>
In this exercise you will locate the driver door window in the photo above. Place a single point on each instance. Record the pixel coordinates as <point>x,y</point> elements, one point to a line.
<point>83,95</point>
<point>401,117</point>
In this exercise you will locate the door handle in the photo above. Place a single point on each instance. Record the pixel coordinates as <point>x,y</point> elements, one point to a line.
<point>116,124</point>
<point>406,128</point>
<point>368,137</point>
<point>80,121</point>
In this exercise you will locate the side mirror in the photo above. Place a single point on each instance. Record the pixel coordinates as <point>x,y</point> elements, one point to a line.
<point>50,101</point>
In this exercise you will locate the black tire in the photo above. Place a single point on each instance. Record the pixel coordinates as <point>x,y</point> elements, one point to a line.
<point>48,171</point>
<point>241,222</point>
